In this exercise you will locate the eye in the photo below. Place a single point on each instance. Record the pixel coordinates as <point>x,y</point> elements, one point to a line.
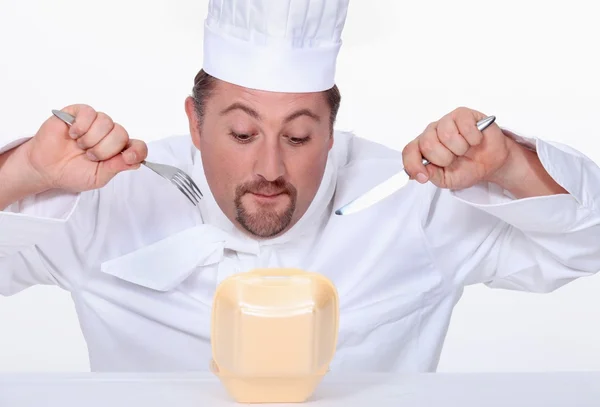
<point>298,140</point>
<point>241,137</point>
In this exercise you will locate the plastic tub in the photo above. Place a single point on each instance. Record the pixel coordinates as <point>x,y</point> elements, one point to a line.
<point>273,334</point>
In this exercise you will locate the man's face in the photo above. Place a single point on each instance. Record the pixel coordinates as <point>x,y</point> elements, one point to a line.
<point>264,154</point>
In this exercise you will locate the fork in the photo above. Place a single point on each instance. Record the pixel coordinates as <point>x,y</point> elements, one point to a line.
<point>180,179</point>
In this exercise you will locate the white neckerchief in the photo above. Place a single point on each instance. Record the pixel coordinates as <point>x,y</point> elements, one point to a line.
<point>166,263</point>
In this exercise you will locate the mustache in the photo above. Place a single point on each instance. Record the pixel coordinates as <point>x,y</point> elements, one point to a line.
<point>264,187</point>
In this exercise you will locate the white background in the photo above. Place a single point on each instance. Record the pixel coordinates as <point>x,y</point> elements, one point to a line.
<point>533,64</point>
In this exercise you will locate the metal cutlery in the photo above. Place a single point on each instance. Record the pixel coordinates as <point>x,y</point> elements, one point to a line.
<point>392,184</point>
<point>177,177</point>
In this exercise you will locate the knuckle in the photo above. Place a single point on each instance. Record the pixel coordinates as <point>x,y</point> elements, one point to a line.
<point>101,152</point>
<point>475,139</point>
<point>461,113</point>
<point>104,119</point>
<point>447,136</point>
<point>110,146</point>
<point>120,137</point>
<point>84,142</point>
<point>447,158</point>
<point>77,129</point>
<point>426,145</point>
<point>86,115</point>
<point>119,143</point>
<point>96,152</point>
<point>86,110</point>
<point>461,110</point>
<point>120,132</point>
<point>446,123</point>
<point>472,135</point>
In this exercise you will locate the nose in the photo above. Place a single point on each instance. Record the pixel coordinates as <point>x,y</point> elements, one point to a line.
<point>269,163</point>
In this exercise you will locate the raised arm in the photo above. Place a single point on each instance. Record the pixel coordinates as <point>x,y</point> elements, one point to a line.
<point>41,181</point>
<point>506,214</point>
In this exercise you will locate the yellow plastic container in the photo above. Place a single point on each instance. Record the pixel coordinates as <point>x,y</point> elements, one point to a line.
<point>273,334</point>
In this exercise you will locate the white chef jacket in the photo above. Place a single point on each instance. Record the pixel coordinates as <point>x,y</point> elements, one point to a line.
<point>142,264</point>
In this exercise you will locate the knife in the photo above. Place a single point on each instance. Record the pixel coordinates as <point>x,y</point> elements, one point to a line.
<point>392,184</point>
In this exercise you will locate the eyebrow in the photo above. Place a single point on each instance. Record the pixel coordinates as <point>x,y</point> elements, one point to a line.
<point>242,107</point>
<point>302,112</point>
<point>254,114</point>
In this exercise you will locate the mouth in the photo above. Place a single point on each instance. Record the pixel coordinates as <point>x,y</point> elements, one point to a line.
<point>267,197</point>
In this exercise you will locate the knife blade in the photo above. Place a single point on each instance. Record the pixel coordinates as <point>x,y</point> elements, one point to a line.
<point>392,184</point>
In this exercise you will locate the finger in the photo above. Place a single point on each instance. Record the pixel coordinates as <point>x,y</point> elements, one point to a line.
<point>449,135</point>
<point>110,145</point>
<point>135,152</point>
<point>466,123</point>
<point>111,167</point>
<point>99,129</point>
<point>84,117</point>
<point>433,149</point>
<point>413,162</point>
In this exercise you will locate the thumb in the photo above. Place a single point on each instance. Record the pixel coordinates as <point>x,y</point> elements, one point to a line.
<point>129,159</point>
<point>436,175</point>
<point>111,167</point>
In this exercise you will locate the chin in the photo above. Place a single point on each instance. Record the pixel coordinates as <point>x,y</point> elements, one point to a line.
<point>265,222</point>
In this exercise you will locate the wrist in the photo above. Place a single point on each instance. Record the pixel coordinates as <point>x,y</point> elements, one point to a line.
<point>523,174</point>
<point>18,179</point>
<point>511,173</point>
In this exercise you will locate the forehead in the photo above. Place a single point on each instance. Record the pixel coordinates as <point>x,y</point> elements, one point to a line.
<point>225,94</point>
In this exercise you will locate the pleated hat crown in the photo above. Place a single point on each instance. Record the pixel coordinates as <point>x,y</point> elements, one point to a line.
<point>274,45</point>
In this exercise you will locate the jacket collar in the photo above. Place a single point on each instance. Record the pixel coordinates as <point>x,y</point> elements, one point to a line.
<point>165,264</point>
<point>319,209</point>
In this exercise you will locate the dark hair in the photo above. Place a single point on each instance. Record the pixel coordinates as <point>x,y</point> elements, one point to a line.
<point>204,83</point>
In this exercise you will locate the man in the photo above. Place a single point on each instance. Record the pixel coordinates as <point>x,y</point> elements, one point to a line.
<point>142,263</point>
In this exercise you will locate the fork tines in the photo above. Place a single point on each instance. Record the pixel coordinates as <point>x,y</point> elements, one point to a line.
<point>187,186</point>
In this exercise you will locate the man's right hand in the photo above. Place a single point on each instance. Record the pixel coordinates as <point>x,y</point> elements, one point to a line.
<point>84,156</point>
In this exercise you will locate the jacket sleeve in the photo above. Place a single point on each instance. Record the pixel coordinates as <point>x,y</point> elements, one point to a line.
<point>37,246</point>
<point>58,238</point>
<point>49,239</point>
<point>483,235</point>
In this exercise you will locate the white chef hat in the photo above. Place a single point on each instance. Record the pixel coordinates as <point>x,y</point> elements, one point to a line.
<point>274,45</point>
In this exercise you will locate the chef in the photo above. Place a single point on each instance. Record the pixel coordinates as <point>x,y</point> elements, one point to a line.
<point>141,263</point>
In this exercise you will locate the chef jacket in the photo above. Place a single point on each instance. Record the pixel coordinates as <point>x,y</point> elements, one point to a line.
<point>141,263</point>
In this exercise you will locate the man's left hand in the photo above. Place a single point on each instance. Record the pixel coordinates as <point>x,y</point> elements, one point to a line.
<point>460,155</point>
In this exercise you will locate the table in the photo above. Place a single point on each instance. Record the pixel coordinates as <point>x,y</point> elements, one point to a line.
<point>577,389</point>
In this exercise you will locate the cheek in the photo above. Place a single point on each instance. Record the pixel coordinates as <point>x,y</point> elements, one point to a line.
<point>224,169</point>
<point>306,171</point>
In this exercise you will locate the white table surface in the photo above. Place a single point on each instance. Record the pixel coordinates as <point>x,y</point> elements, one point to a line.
<point>372,390</point>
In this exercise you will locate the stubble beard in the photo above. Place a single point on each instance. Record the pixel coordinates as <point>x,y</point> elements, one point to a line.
<point>265,222</point>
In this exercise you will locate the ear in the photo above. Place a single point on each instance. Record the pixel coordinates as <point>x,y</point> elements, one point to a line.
<point>330,144</point>
<point>193,121</point>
